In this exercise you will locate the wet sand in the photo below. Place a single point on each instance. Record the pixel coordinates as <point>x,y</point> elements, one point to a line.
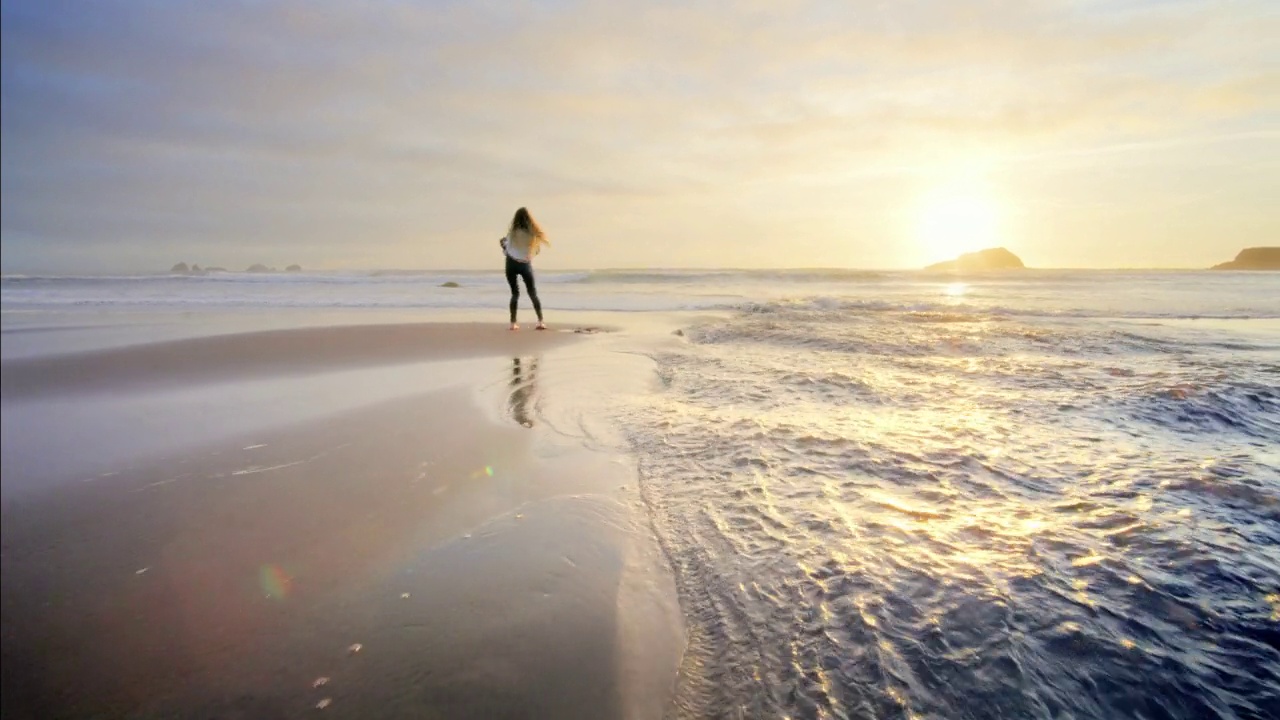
<point>266,353</point>
<point>480,578</point>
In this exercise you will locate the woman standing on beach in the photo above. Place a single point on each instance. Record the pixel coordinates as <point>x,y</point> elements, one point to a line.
<point>523,241</point>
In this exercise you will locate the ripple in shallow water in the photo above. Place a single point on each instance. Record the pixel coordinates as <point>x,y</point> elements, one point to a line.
<point>939,518</point>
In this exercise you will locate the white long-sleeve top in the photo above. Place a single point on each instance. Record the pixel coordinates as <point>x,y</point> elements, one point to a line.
<point>517,244</point>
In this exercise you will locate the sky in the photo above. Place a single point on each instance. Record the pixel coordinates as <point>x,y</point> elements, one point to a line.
<point>787,133</point>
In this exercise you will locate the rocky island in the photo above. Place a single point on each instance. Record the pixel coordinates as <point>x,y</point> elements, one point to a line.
<point>983,260</point>
<point>184,269</point>
<point>1255,258</point>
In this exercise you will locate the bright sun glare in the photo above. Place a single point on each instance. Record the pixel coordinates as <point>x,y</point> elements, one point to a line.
<point>955,219</point>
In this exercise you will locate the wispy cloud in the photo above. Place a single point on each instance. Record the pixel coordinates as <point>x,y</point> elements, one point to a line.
<point>142,133</point>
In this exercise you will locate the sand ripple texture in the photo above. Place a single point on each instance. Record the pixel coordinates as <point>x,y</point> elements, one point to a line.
<point>964,514</point>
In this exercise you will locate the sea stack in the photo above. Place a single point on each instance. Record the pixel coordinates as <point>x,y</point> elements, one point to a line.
<point>989,259</point>
<point>1255,258</point>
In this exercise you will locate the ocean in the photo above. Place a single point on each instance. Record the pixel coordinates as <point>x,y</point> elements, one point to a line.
<point>1049,494</point>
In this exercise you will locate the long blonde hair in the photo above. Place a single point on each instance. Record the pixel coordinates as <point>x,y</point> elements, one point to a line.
<point>523,221</point>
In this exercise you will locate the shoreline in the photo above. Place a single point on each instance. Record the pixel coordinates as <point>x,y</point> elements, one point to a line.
<point>486,567</point>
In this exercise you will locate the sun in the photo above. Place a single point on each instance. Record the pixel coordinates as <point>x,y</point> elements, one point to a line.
<point>957,218</point>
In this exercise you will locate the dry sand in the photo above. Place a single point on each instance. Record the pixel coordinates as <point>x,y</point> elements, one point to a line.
<point>224,581</point>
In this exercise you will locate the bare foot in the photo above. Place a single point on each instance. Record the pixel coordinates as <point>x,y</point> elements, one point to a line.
<point>514,327</point>
<point>541,326</point>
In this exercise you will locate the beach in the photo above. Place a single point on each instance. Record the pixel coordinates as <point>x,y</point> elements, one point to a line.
<point>703,494</point>
<point>233,568</point>
<point>901,361</point>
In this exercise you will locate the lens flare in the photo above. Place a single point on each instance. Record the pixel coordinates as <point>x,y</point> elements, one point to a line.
<point>275,582</point>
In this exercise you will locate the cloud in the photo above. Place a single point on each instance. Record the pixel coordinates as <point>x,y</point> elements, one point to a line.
<point>237,130</point>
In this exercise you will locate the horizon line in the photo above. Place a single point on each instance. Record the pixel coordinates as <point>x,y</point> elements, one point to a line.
<point>688,268</point>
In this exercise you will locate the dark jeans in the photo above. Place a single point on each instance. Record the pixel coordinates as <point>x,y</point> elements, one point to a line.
<point>517,269</point>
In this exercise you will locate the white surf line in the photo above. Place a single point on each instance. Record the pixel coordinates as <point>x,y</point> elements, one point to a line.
<point>158,483</point>
<point>103,475</point>
<point>256,470</point>
<point>246,471</point>
<point>313,458</point>
<point>254,447</point>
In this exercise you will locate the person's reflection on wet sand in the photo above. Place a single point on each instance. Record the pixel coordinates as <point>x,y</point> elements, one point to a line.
<point>524,379</point>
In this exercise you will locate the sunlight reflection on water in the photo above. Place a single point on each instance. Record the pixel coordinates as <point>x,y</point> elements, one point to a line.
<point>901,515</point>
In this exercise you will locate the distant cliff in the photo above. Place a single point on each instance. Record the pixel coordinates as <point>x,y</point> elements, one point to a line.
<point>989,259</point>
<point>1257,258</point>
